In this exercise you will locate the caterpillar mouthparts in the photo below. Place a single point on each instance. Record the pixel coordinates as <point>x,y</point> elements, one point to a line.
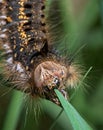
<point>29,62</point>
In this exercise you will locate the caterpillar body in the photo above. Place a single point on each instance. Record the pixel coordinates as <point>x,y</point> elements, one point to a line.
<point>29,62</point>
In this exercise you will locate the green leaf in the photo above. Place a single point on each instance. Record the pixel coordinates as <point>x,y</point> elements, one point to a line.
<point>77,122</point>
<point>101,10</point>
<point>14,111</point>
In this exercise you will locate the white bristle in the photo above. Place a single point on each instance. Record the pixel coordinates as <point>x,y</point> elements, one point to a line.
<point>4,30</point>
<point>6,46</point>
<point>3,17</point>
<point>19,68</point>
<point>9,60</point>
<point>3,36</point>
<point>2,22</point>
<point>8,51</point>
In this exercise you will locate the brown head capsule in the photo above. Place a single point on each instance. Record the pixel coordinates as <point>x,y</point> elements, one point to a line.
<point>50,74</point>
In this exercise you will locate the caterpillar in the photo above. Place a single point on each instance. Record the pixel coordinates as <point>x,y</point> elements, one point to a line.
<point>29,61</point>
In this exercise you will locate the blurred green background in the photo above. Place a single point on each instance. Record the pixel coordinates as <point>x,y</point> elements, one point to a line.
<point>78,25</point>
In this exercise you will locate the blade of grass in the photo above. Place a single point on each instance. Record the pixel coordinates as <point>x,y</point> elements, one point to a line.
<point>101,11</point>
<point>78,123</point>
<point>14,111</point>
<point>54,123</point>
<point>84,77</point>
<point>54,111</point>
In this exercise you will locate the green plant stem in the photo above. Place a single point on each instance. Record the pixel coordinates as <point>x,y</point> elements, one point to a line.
<point>54,111</point>
<point>101,10</point>
<point>14,111</point>
<point>54,123</point>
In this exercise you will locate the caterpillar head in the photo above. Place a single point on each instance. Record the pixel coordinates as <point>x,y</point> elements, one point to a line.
<point>50,75</point>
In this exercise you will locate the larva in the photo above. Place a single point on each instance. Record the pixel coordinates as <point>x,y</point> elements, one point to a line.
<point>29,62</point>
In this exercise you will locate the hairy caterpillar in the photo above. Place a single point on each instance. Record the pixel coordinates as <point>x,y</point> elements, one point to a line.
<point>29,60</point>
